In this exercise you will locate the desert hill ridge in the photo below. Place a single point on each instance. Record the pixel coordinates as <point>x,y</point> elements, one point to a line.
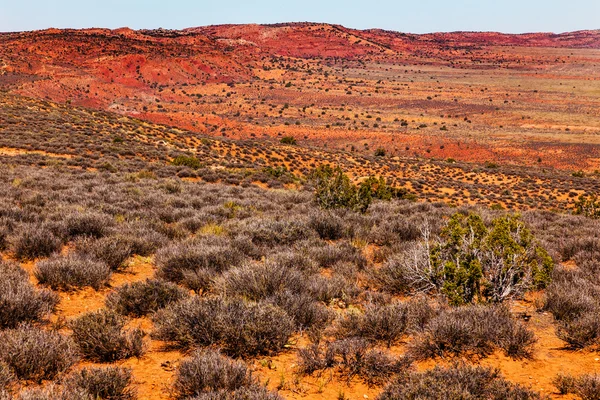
<point>528,99</point>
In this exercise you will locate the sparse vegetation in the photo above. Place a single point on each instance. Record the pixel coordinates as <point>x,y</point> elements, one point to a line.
<point>230,240</point>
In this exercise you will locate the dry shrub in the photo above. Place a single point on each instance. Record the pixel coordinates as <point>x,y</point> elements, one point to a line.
<point>32,241</point>
<point>112,250</point>
<point>382,323</point>
<point>195,263</point>
<point>459,381</point>
<point>73,271</point>
<point>240,328</point>
<point>351,358</point>
<point>208,371</point>
<point>111,383</point>
<point>20,301</point>
<point>101,337</point>
<point>34,354</point>
<point>473,331</point>
<point>142,298</point>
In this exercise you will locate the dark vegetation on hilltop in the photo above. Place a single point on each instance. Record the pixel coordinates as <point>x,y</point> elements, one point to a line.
<point>246,270</point>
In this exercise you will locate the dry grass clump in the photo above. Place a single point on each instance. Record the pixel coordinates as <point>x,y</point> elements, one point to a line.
<point>87,224</point>
<point>573,298</point>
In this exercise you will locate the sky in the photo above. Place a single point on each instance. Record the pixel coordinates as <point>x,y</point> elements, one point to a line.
<point>414,16</point>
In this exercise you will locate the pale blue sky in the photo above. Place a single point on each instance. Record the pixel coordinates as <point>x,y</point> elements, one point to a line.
<point>415,16</point>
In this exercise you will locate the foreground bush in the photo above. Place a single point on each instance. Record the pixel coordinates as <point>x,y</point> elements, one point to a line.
<point>386,323</point>
<point>245,393</point>
<point>585,386</point>
<point>90,224</point>
<point>20,301</point>
<point>141,298</point>
<point>257,281</point>
<point>73,271</point>
<point>195,263</point>
<point>111,383</point>
<point>111,250</point>
<point>6,376</point>
<point>240,328</point>
<point>574,301</point>
<point>208,371</point>
<point>455,382</point>
<point>101,337</point>
<point>208,375</point>
<point>303,309</point>
<point>473,331</point>
<point>36,355</point>
<point>33,241</point>
<point>51,392</point>
<point>351,358</point>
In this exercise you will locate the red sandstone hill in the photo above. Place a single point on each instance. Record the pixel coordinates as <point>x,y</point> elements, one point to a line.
<point>330,84</point>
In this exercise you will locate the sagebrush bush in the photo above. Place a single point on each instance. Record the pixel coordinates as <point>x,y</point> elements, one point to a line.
<point>201,259</point>
<point>328,255</point>
<point>240,328</point>
<point>386,323</point>
<point>101,337</point>
<point>351,358</point>
<point>20,301</point>
<point>337,287</point>
<point>144,240</point>
<point>32,241</point>
<point>91,224</point>
<point>573,298</point>
<point>473,331</point>
<point>257,281</point>
<point>585,386</point>
<point>34,354</point>
<point>112,250</point>
<point>291,259</point>
<point>72,271</point>
<point>580,332</point>
<point>51,392</point>
<point>208,371</point>
<point>459,381</point>
<point>278,232</point>
<point>245,393</point>
<point>6,376</point>
<point>303,309</point>
<point>327,225</point>
<point>142,298</point>
<point>110,383</point>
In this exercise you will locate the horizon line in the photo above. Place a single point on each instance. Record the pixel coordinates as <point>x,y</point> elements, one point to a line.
<point>296,23</point>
